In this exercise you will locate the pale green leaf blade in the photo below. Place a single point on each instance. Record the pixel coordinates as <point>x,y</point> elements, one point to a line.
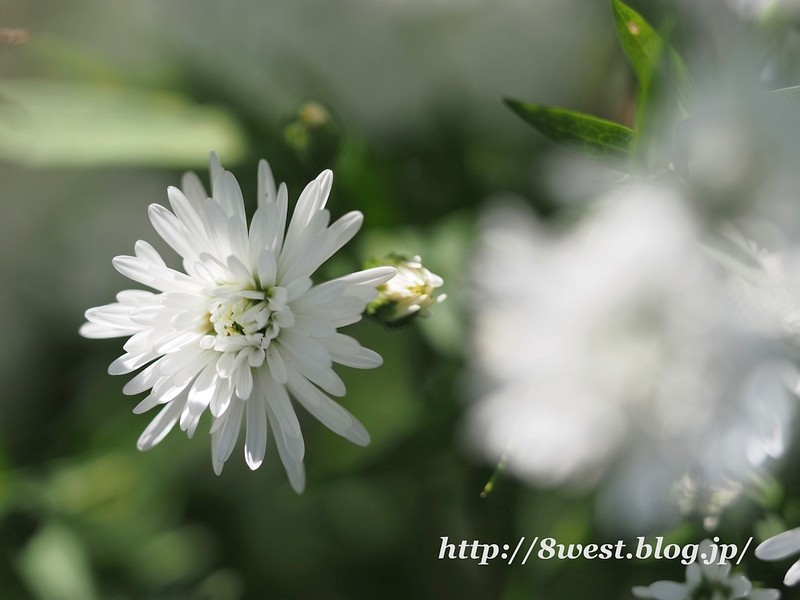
<point>70,124</point>
<point>642,47</point>
<point>587,136</point>
<point>640,42</point>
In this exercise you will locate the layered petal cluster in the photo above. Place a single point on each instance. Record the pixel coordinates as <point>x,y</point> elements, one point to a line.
<point>706,582</point>
<point>244,327</point>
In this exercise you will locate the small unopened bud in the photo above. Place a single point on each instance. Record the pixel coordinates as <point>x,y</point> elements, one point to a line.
<point>408,294</point>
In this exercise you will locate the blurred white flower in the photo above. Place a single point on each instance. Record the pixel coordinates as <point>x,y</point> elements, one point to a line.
<point>782,546</point>
<point>615,340</point>
<point>765,286</point>
<point>410,293</point>
<point>706,582</point>
<point>244,324</point>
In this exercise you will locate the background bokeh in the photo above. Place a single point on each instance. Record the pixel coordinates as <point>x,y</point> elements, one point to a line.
<point>108,102</point>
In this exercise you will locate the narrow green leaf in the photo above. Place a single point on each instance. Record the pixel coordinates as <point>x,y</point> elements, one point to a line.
<point>589,137</point>
<point>642,46</point>
<point>70,124</point>
<point>640,42</point>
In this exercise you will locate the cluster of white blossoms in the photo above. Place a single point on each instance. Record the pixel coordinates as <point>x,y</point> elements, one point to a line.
<point>244,326</point>
<point>614,344</point>
<point>706,582</point>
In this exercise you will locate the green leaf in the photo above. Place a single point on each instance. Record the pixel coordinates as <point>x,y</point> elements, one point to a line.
<point>70,124</point>
<point>640,42</point>
<point>642,46</point>
<point>589,137</point>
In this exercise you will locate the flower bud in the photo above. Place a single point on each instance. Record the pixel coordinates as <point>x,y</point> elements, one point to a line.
<point>408,294</point>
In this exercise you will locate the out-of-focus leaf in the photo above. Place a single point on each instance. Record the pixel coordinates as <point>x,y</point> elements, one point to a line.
<point>55,566</point>
<point>640,42</point>
<point>589,137</point>
<point>56,123</point>
<point>642,46</point>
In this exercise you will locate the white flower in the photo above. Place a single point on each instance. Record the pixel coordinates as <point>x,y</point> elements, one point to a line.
<point>782,546</point>
<point>582,335</point>
<point>409,293</point>
<point>244,326</point>
<point>706,582</point>
<point>611,345</point>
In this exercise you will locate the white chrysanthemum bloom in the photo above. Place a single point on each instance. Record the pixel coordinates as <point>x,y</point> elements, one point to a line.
<point>244,326</point>
<point>783,546</point>
<point>410,292</point>
<point>706,582</point>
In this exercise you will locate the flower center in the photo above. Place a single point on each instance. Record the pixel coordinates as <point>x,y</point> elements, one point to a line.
<point>247,318</point>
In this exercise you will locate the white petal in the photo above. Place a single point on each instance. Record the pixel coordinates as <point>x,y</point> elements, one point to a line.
<point>229,432</point>
<point>172,231</point>
<point>239,239</point>
<point>321,294</point>
<point>693,575</point>
<point>161,425</point>
<point>243,378</point>
<point>240,272</point>
<point>294,467</point>
<point>267,268</point>
<point>282,204</point>
<point>369,277</point>
<point>255,444</point>
<point>147,253</point>
<point>365,359</point>
<point>215,169</point>
<point>227,192</point>
<point>215,221</point>
<point>194,191</point>
<point>130,362</point>
<point>281,407</point>
<point>739,585</point>
<point>145,405</point>
<point>668,590</point>
<point>222,397</point>
<point>143,381</point>
<point>297,288</point>
<point>137,297</point>
<point>225,364</point>
<point>326,378</point>
<point>202,390</point>
<point>329,413</point>
<point>792,575</point>
<point>302,215</point>
<point>266,184</point>
<point>305,348</point>
<point>276,364</point>
<point>95,331</point>
<point>313,326</point>
<point>780,546</point>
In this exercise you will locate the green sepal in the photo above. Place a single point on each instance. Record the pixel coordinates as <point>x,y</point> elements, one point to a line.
<point>589,137</point>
